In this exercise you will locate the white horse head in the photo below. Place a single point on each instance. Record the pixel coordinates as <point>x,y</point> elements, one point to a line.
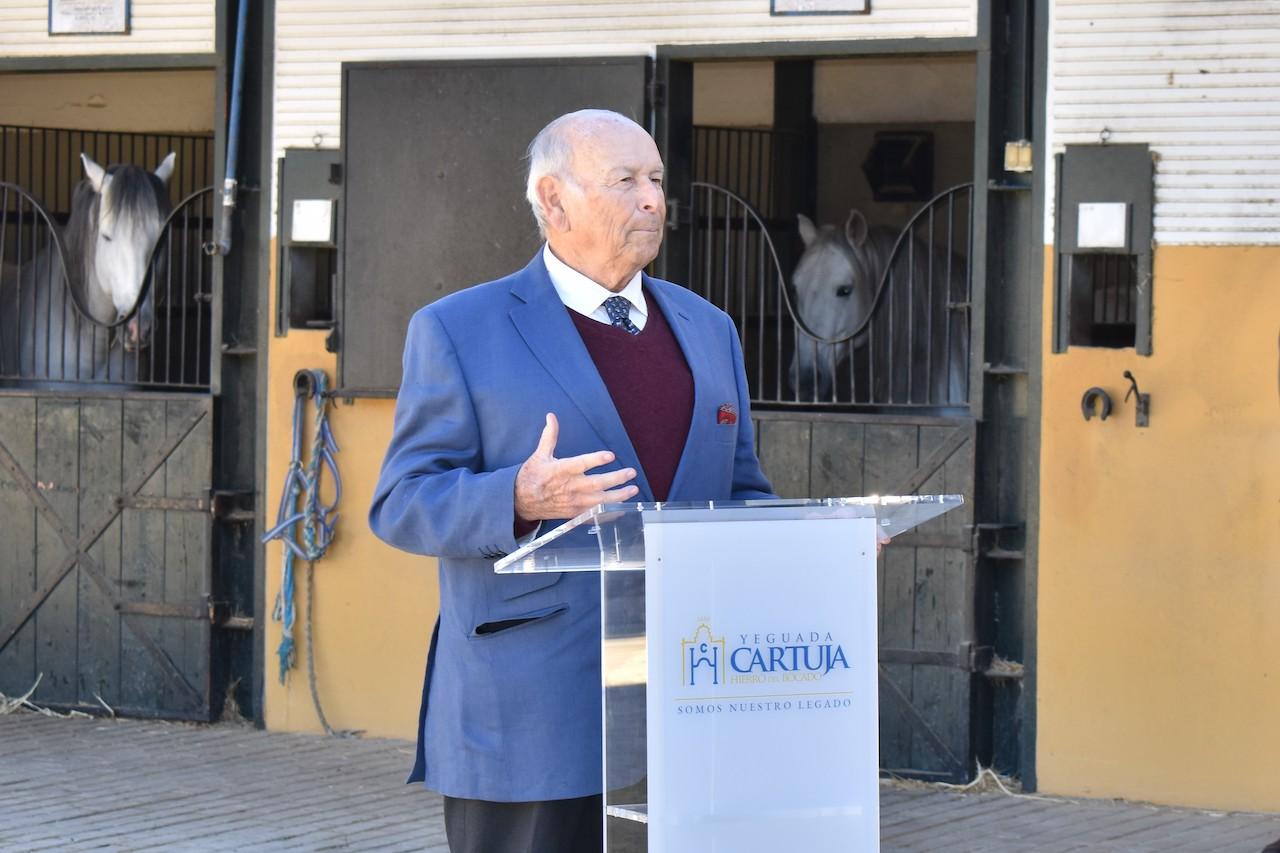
<point>835,284</point>
<point>115,232</point>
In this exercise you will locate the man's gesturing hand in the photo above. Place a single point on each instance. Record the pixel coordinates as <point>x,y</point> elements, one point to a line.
<point>547,487</point>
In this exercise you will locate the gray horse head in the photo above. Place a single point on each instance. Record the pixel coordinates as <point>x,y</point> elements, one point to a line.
<point>834,284</point>
<point>116,219</point>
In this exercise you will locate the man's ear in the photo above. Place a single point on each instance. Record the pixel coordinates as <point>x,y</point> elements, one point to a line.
<point>551,198</point>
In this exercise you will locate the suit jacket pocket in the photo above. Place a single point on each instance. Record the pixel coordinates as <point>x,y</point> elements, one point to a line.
<point>498,626</point>
<point>508,587</point>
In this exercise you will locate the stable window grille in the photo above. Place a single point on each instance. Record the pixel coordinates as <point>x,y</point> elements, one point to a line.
<point>1104,300</point>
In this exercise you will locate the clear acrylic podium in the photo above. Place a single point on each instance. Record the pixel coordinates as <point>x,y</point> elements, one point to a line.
<point>738,667</point>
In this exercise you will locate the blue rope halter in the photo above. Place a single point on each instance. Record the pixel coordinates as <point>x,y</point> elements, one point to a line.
<point>315,520</point>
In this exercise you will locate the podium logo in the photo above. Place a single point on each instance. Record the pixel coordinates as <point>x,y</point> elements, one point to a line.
<point>702,657</point>
<point>768,657</point>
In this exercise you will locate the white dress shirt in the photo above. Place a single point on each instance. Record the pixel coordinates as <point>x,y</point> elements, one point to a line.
<point>587,297</point>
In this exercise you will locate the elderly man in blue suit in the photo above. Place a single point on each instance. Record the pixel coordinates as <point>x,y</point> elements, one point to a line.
<point>576,381</point>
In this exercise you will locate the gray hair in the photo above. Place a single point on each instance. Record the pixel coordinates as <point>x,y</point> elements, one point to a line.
<point>551,152</point>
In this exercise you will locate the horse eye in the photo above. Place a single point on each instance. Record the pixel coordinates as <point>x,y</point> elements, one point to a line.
<point>106,237</point>
<point>844,290</point>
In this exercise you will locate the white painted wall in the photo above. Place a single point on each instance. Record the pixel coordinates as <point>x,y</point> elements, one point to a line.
<point>157,26</point>
<point>313,39</point>
<point>1199,80</point>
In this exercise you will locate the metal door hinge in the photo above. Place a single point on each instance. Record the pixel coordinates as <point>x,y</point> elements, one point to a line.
<point>975,658</point>
<point>677,214</point>
<point>221,616</point>
<point>657,93</point>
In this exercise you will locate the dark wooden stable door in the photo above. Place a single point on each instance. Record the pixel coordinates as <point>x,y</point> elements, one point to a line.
<point>434,176</point>
<point>105,552</point>
<point>929,656</point>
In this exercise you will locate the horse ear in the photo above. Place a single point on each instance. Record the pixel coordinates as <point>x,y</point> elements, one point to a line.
<point>808,231</point>
<point>94,172</point>
<point>855,229</point>
<point>165,170</point>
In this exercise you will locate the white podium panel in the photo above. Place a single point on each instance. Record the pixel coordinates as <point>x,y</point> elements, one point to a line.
<point>762,710</point>
<point>738,667</point>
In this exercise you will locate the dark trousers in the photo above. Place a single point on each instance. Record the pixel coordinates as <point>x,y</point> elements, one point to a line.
<point>548,826</point>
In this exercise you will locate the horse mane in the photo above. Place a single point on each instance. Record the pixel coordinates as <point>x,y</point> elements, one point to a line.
<point>80,233</point>
<point>133,192</point>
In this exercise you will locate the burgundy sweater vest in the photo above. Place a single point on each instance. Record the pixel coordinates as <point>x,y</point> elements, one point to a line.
<point>651,386</point>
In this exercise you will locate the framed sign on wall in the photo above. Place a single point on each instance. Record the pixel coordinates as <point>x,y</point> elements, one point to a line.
<point>819,7</point>
<point>88,17</point>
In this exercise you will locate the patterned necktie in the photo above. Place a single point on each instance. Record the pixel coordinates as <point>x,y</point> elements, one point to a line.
<point>619,311</point>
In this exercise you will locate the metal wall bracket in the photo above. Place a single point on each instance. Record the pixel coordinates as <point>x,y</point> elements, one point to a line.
<point>236,507</point>
<point>1000,541</point>
<point>1142,415</point>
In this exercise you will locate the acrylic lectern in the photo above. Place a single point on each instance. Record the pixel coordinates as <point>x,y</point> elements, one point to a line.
<point>738,667</point>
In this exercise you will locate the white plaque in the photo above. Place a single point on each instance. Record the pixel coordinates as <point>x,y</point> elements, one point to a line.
<point>88,17</point>
<point>762,695</point>
<point>819,7</point>
<point>312,221</point>
<point>1102,225</point>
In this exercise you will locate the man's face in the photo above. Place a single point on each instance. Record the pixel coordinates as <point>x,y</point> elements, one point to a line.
<point>615,205</point>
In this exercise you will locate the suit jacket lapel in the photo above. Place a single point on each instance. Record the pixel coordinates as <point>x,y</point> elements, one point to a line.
<point>682,326</point>
<point>543,321</point>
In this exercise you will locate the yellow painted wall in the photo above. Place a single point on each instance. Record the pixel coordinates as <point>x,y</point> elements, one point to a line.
<point>375,606</point>
<point>1159,566</point>
<point>170,101</point>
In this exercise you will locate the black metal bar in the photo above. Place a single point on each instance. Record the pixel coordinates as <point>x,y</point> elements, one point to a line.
<point>946,313</point>
<point>4,237</point>
<point>911,311</point>
<point>709,248</point>
<point>48,310</point>
<point>21,246</point>
<point>725,251</point>
<point>758,386</point>
<point>186,242</point>
<point>742,272</point>
<point>893,298</point>
<point>929,382</point>
<point>853,369</point>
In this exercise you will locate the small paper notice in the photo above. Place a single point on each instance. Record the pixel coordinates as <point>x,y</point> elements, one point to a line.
<point>820,7</point>
<point>88,17</point>
<point>1103,225</point>
<point>312,221</point>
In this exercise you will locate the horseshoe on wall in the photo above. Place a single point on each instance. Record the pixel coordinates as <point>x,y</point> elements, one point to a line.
<point>1091,397</point>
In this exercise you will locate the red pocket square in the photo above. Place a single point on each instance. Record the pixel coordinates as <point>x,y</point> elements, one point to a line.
<point>727,414</point>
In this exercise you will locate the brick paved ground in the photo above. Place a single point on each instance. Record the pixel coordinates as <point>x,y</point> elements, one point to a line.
<point>117,785</point>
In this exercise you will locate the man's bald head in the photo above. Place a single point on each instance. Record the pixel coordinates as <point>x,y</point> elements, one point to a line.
<point>595,186</point>
<point>552,151</point>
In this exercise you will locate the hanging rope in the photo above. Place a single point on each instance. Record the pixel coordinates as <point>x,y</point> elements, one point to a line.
<point>315,521</point>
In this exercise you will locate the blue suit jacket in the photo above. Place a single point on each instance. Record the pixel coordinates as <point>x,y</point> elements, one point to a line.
<point>515,715</point>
